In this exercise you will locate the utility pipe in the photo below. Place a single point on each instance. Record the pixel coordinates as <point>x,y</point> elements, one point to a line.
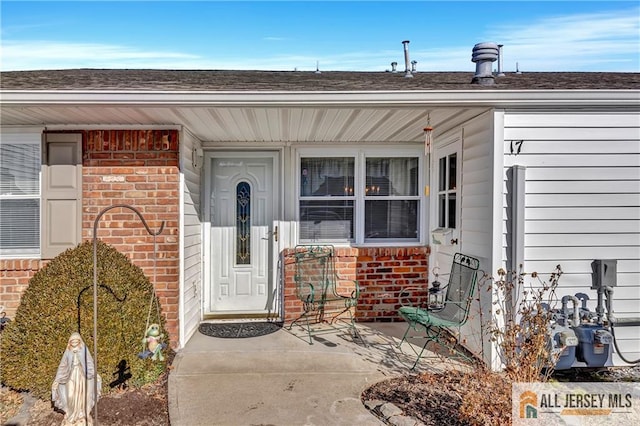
<point>576,311</point>
<point>613,322</point>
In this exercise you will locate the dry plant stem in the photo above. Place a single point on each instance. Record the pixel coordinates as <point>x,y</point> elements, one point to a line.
<point>520,326</point>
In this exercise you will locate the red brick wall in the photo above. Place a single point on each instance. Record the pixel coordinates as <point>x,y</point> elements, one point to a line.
<point>140,169</point>
<point>137,168</point>
<point>14,280</point>
<point>380,272</point>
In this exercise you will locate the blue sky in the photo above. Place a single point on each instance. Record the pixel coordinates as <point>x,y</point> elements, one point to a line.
<point>336,35</point>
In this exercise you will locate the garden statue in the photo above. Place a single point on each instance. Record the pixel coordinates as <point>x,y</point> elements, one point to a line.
<point>153,341</point>
<point>73,390</point>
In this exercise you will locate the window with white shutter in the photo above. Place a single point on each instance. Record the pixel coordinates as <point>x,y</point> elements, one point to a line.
<point>40,193</point>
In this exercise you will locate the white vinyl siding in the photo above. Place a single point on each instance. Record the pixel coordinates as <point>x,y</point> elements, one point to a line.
<point>475,215</point>
<point>582,198</point>
<point>477,189</point>
<point>191,232</point>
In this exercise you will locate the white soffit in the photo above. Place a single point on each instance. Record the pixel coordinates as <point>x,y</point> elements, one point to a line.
<point>285,116</point>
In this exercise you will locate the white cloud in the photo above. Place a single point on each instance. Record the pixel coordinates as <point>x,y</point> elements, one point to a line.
<point>583,42</point>
<point>600,42</point>
<point>58,55</point>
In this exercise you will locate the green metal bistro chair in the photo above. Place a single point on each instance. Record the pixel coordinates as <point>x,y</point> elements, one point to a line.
<point>434,324</point>
<point>318,286</point>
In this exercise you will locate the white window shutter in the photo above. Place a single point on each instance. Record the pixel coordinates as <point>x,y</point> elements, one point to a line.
<point>61,223</point>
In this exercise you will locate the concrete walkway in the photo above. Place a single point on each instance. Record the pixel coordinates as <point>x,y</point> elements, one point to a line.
<point>280,379</point>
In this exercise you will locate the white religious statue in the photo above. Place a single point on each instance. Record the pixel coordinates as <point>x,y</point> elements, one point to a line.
<point>73,389</point>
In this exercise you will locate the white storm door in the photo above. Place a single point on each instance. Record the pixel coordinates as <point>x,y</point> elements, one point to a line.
<point>242,201</point>
<point>445,204</point>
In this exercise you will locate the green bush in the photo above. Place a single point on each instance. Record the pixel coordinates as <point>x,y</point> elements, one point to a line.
<point>32,344</point>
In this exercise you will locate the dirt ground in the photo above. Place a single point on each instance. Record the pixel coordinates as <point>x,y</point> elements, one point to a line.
<point>141,407</point>
<point>146,406</point>
<point>423,397</point>
<point>435,399</point>
<point>430,398</point>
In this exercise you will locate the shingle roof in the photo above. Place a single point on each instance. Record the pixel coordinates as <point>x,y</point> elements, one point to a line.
<point>215,80</point>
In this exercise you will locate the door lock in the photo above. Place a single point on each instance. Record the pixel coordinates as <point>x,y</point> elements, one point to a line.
<point>274,233</point>
<point>454,241</point>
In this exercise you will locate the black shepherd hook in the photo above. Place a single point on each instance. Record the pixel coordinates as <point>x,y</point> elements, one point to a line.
<point>95,285</point>
<point>121,300</point>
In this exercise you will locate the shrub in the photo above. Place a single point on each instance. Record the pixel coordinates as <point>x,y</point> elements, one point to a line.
<point>520,328</point>
<point>31,346</point>
<point>521,325</point>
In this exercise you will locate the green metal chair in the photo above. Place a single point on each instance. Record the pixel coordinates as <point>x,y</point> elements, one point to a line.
<point>433,324</point>
<point>317,287</point>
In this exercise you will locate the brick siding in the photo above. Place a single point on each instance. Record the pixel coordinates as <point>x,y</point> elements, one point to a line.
<point>381,274</point>
<point>14,280</point>
<point>140,169</point>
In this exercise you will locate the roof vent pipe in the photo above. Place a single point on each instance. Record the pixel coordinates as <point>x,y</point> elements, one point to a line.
<point>483,55</point>
<point>407,70</point>
<point>394,66</point>
<point>413,65</point>
<point>500,71</point>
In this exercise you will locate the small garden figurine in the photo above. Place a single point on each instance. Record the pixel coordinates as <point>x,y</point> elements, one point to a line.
<point>153,341</point>
<point>72,390</point>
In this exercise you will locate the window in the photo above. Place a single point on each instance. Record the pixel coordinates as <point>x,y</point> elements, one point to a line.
<point>243,224</point>
<point>359,198</point>
<point>391,198</point>
<point>40,193</point>
<point>327,198</point>
<point>19,195</point>
<point>447,202</point>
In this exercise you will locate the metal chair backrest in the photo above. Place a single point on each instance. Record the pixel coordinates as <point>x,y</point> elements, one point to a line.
<point>314,269</point>
<point>462,281</point>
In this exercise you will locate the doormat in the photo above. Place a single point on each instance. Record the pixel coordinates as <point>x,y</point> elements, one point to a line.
<point>239,329</point>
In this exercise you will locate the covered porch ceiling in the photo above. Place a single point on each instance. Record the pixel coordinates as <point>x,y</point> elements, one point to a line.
<point>254,123</point>
<point>283,117</point>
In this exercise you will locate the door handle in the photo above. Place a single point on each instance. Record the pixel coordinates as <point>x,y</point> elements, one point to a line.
<point>274,233</point>
<point>454,241</point>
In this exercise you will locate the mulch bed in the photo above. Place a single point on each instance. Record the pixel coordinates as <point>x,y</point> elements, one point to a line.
<point>422,397</point>
<point>146,406</point>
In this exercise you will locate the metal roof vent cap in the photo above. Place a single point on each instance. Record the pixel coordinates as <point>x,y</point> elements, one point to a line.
<point>483,55</point>
<point>407,70</point>
<point>500,70</point>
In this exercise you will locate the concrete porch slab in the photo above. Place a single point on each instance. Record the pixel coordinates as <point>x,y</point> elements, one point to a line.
<point>280,379</point>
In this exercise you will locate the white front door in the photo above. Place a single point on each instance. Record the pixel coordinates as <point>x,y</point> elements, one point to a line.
<point>242,192</point>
